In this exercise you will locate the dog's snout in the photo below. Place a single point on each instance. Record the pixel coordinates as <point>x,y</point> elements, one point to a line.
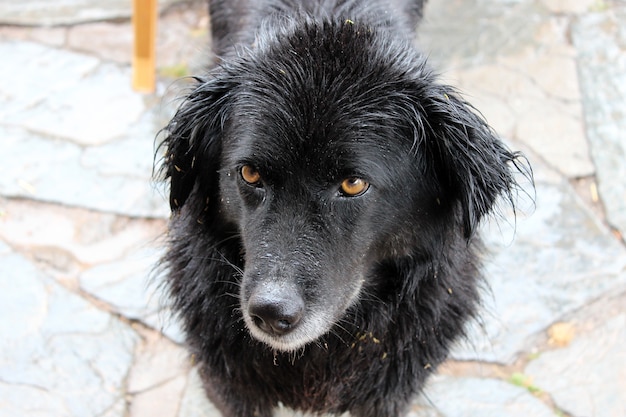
<point>276,314</point>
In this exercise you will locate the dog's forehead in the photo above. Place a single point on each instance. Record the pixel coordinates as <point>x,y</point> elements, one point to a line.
<point>316,127</point>
<point>324,100</point>
<point>274,144</point>
<point>325,155</point>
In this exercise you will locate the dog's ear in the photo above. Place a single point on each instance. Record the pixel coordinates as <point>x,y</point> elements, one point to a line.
<point>194,135</point>
<point>471,163</point>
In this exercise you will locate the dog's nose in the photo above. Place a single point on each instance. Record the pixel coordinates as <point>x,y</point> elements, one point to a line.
<point>276,315</point>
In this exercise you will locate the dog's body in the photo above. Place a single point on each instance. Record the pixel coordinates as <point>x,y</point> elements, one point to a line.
<point>325,193</point>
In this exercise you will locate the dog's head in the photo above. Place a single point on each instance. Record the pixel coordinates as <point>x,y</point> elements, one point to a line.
<point>330,148</point>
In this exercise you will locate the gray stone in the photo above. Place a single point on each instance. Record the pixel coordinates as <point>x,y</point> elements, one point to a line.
<point>85,102</point>
<point>66,12</point>
<point>47,36</point>
<point>111,257</point>
<point>161,401</point>
<point>95,110</point>
<point>60,355</point>
<point>513,62</point>
<point>36,73</point>
<point>569,6</point>
<point>194,402</point>
<point>123,283</point>
<point>600,39</point>
<point>54,170</point>
<point>561,258</point>
<point>89,238</point>
<point>157,362</point>
<point>587,378</point>
<point>109,41</point>
<point>31,401</point>
<point>182,41</point>
<point>471,397</point>
<point>75,133</point>
<point>4,248</point>
<point>131,286</point>
<point>479,30</point>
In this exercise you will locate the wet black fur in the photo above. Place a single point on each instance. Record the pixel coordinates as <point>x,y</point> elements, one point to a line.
<point>310,96</point>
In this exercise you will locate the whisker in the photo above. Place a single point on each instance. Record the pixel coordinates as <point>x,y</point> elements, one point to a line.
<point>336,334</point>
<point>230,294</point>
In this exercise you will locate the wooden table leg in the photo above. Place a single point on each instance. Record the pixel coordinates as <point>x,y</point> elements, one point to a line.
<point>144,26</point>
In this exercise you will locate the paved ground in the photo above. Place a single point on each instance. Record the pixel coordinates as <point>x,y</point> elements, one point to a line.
<point>81,330</point>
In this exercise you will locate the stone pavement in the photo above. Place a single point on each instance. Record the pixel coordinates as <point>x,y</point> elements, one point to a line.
<point>83,332</point>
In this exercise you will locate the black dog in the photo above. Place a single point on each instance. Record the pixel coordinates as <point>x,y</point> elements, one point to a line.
<point>325,193</point>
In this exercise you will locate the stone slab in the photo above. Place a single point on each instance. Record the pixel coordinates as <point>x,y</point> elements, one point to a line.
<point>88,238</point>
<point>513,61</point>
<point>600,40</point>
<point>131,286</point>
<point>111,257</point>
<point>194,402</point>
<point>554,262</point>
<point>67,12</point>
<point>182,41</point>
<point>74,132</point>
<point>478,31</point>
<point>36,73</point>
<point>569,6</point>
<point>66,95</point>
<point>58,171</point>
<point>60,355</point>
<point>471,397</point>
<point>158,361</point>
<point>109,41</point>
<point>588,377</point>
<point>161,401</point>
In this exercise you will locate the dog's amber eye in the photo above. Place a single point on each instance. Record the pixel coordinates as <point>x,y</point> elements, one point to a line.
<point>354,186</point>
<point>250,175</point>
